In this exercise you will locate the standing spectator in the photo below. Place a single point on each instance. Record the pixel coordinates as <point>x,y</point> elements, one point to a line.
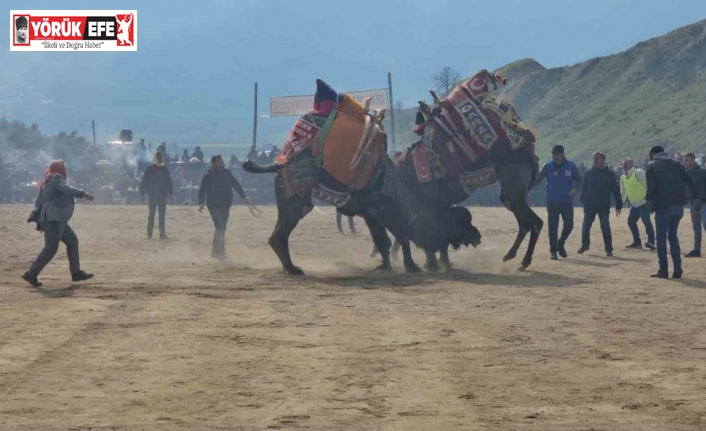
<point>678,157</point>
<point>198,154</point>
<point>52,211</point>
<point>599,183</point>
<point>633,188</point>
<point>185,156</point>
<point>667,181</point>
<point>216,191</point>
<point>157,185</point>
<point>698,213</point>
<point>233,162</point>
<point>563,180</point>
<point>252,155</point>
<point>162,148</point>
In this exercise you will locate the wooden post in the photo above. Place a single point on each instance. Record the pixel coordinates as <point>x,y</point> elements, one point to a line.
<point>392,109</point>
<point>93,125</point>
<point>254,127</point>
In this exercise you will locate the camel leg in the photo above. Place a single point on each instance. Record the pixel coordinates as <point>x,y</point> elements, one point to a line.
<point>514,181</point>
<point>381,240</point>
<point>521,233</point>
<point>393,222</point>
<point>289,212</point>
<point>444,257</point>
<point>537,226</point>
<point>432,263</point>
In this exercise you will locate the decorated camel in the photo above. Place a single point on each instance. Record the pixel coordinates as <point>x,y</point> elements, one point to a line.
<point>469,140</point>
<point>338,154</point>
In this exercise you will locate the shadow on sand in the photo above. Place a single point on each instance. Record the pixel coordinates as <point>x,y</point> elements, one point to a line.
<point>57,293</point>
<point>377,280</point>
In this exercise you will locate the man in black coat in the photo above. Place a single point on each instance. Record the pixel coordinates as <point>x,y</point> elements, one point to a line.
<point>698,213</point>
<point>157,185</point>
<point>598,185</point>
<point>216,192</point>
<point>667,182</point>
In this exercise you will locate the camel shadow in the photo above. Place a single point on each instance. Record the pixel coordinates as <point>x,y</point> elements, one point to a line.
<point>624,259</point>
<point>376,280</point>
<point>57,293</point>
<point>590,263</point>
<point>692,283</point>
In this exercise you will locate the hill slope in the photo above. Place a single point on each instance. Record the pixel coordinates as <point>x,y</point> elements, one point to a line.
<point>652,93</point>
<point>622,104</point>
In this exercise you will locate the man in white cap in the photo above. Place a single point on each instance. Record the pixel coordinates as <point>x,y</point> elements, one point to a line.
<point>633,188</point>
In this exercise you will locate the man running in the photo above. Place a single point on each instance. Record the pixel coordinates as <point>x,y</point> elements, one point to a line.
<point>563,181</point>
<point>216,191</point>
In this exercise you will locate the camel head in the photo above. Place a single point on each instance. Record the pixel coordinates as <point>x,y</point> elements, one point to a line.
<point>460,229</point>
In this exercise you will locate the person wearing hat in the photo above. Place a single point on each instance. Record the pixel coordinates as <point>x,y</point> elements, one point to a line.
<point>216,192</point>
<point>21,26</point>
<point>563,181</point>
<point>667,182</point>
<point>633,188</point>
<point>325,98</point>
<point>599,184</point>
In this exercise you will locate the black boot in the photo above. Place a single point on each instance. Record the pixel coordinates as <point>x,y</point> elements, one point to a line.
<point>29,278</point>
<point>562,249</point>
<point>81,276</point>
<point>660,274</point>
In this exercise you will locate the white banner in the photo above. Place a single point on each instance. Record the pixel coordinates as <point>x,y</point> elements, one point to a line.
<point>73,30</point>
<point>301,105</point>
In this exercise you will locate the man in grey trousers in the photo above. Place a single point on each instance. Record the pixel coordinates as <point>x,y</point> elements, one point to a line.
<point>53,210</point>
<point>157,185</point>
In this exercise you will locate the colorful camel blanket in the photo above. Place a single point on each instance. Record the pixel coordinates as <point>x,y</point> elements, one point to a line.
<point>457,139</point>
<point>345,145</point>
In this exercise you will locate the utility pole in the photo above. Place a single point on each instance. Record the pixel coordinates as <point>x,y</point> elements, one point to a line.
<point>93,125</point>
<point>392,109</point>
<point>254,127</point>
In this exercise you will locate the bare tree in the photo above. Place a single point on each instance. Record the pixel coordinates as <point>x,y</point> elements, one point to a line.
<point>445,79</point>
<point>399,105</point>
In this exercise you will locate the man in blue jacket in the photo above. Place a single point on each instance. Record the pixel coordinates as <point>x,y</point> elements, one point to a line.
<point>563,181</point>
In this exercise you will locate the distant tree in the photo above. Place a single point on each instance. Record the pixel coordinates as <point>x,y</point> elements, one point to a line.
<point>399,105</point>
<point>445,79</point>
<point>125,135</point>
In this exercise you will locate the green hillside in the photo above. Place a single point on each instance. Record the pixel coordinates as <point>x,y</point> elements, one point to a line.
<point>622,104</point>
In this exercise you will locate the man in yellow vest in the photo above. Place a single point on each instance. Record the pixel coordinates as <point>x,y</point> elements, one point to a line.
<point>633,188</point>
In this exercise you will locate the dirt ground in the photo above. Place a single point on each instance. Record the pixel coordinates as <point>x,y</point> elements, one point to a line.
<point>164,338</point>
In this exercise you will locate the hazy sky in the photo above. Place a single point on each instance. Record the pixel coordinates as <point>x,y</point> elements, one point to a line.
<point>203,56</point>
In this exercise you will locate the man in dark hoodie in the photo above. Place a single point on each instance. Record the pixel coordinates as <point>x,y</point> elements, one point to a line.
<point>698,213</point>
<point>157,185</point>
<point>216,191</point>
<point>598,185</point>
<point>667,182</point>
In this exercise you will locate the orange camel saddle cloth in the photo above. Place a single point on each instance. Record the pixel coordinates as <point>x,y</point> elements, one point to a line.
<point>348,145</point>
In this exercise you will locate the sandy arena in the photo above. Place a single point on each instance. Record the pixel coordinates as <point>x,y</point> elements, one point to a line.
<point>164,338</point>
